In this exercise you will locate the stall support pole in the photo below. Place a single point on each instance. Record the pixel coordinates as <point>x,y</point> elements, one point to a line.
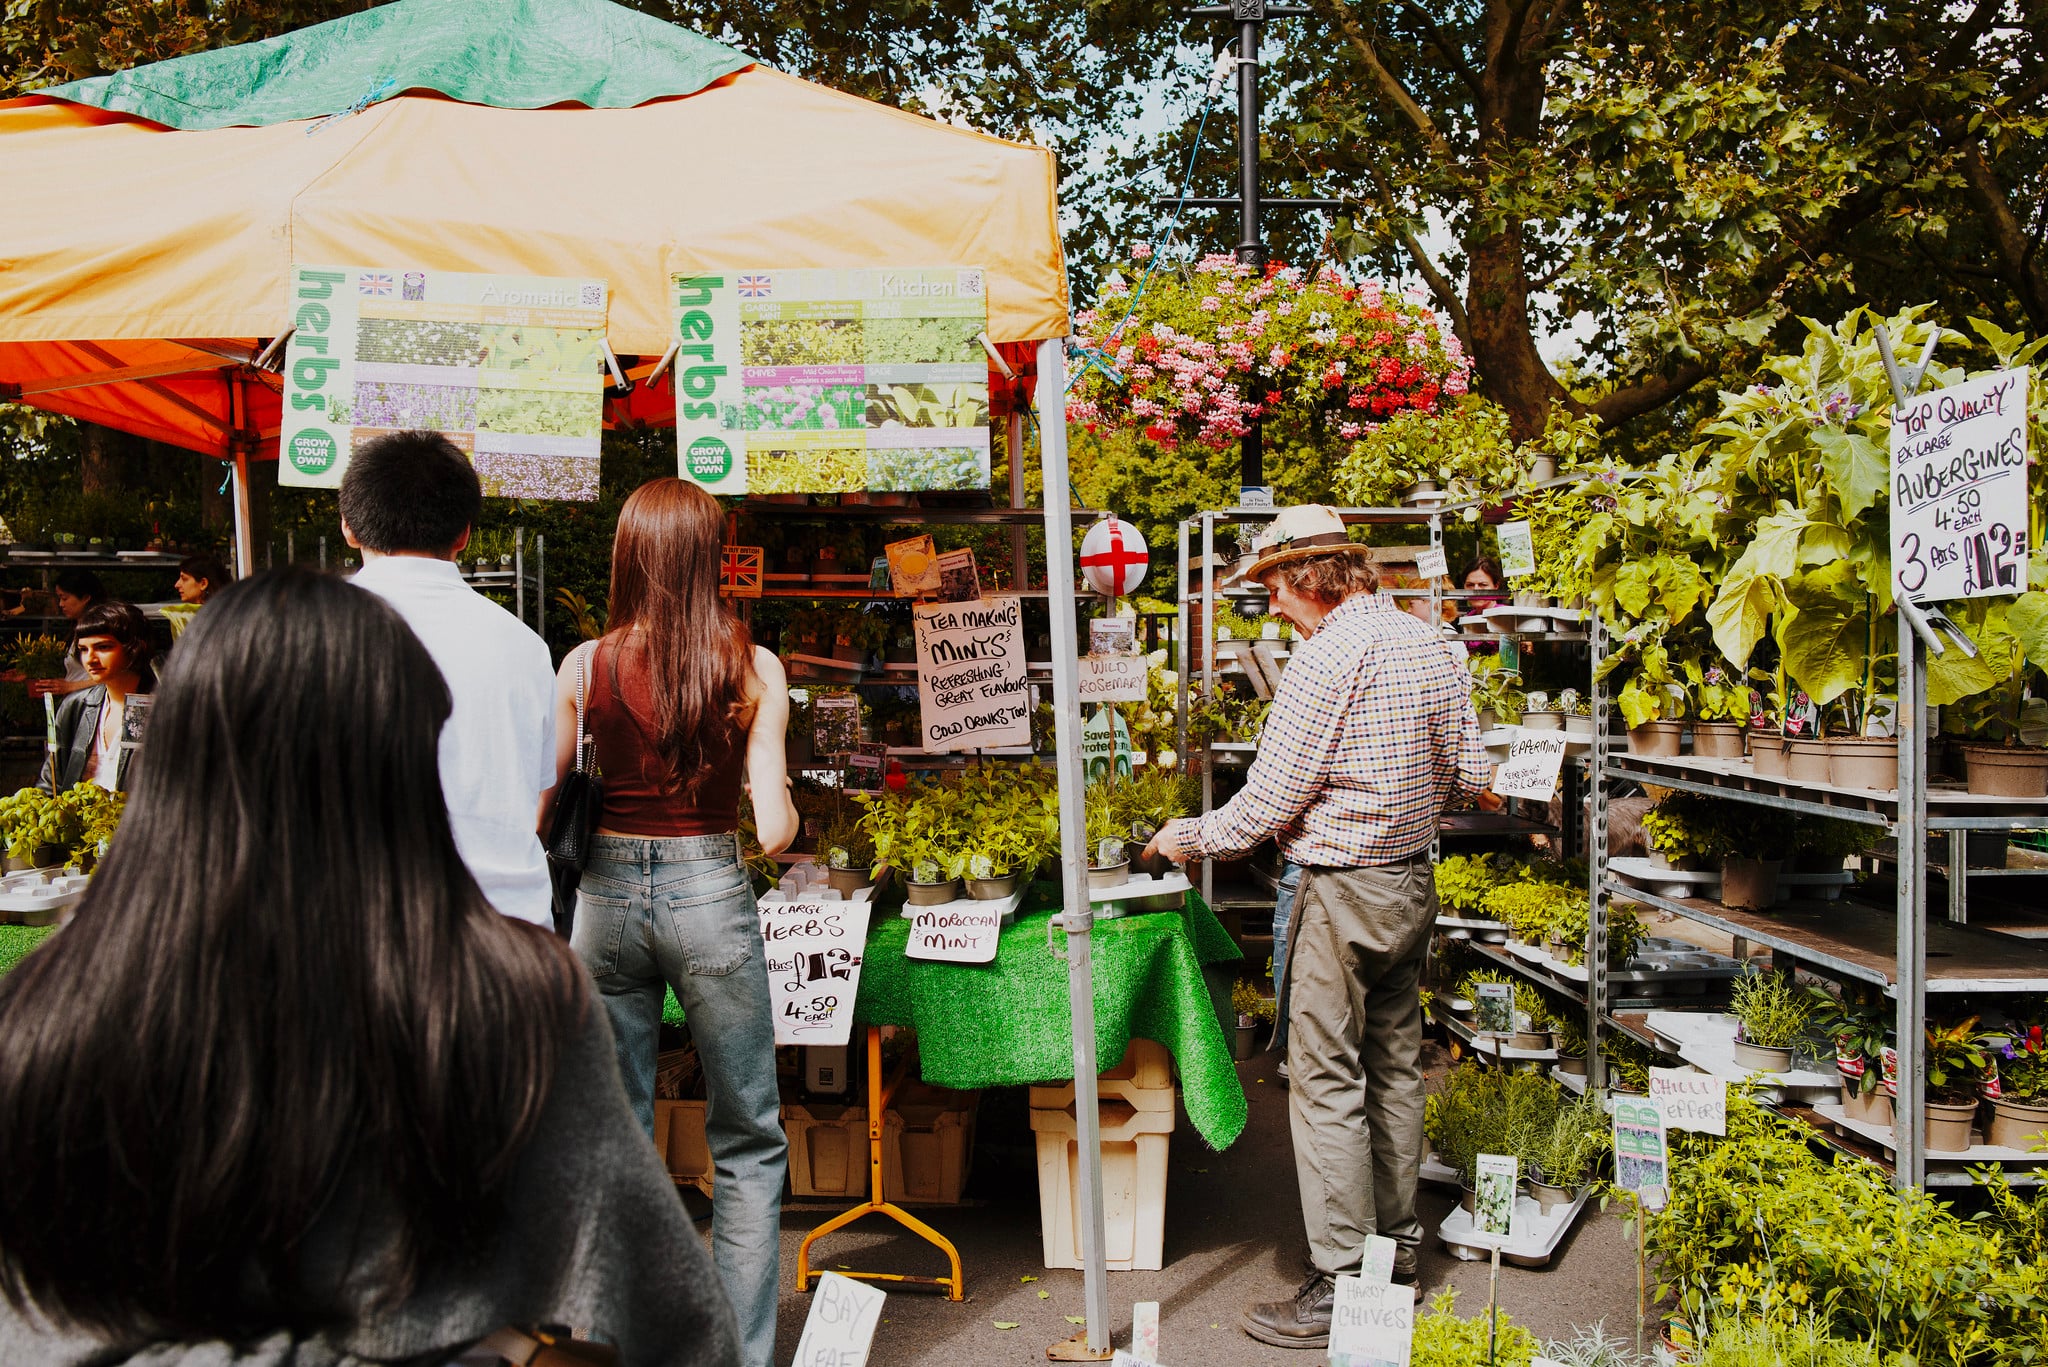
<point>1909,1137</point>
<point>1181,657</point>
<point>1020,558</point>
<point>245,536</point>
<point>1077,916</point>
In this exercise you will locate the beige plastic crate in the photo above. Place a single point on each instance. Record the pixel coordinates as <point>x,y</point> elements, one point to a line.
<point>1134,1144</point>
<point>1143,1080</point>
<point>928,1144</point>
<point>679,1139</point>
<point>828,1149</point>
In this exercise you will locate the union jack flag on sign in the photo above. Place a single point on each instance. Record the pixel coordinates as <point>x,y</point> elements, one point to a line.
<point>739,572</point>
<point>376,283</point>
<point>756,286</point>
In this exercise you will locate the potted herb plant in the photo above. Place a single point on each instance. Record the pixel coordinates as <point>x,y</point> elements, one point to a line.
<point>1541,712</point>
<point>1957,1060</point>
<point>856,635</point>
<point>1003,842</point>
<point>2019,1114</point>
<point>1108,862</point>
<point>1252,1010</point>
<point>1578,712</point>
<point>1858,1025</point>
<point>1496,693</point>
<point>1721,711</point>
<point>1568,1033</point>
<point>1462,882</point>
<point>849,854</point>
<point>1774,1016</point>
<point>2006,723</point>
<point>1563,1155</point>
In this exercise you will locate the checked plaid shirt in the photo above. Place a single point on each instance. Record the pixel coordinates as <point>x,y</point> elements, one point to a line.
<point>1370,733</point>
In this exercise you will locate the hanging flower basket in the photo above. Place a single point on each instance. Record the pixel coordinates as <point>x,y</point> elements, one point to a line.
<point>1194,354</point>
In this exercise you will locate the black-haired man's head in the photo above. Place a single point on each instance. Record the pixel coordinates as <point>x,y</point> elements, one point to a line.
<point>410,493</point>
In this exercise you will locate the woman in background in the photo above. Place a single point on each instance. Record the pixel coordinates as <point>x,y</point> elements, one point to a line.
<point>287,1092</point>
<point>112,641</point>
<point>681,707</point>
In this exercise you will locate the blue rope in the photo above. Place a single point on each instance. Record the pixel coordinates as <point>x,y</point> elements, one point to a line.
<point>226,479</point>
<point>378,90</point>
<point>1094,359</point>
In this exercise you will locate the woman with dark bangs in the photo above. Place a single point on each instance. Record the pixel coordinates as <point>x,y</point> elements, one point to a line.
<point>287,1092</point>
<point>680,708</point>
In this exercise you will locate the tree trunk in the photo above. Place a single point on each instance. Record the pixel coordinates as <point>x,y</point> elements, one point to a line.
<point>1511,371</point>
<point>2008,236</point>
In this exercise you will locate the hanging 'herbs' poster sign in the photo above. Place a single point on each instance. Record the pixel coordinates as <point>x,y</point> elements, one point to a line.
<point>509,368</point>
<point>831,381</point>
<point>1959,489</point>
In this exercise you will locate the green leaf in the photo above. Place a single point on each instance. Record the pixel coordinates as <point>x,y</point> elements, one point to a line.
<point>1827,642</point>
<point>1632,587</point>
<point>1741,613</point>
<point>2027,620</point>
<point>1005,1324</point>
<point>1857,467</point>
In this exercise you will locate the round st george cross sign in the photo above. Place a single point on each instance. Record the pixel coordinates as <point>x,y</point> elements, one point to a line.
<point>1114,557</point>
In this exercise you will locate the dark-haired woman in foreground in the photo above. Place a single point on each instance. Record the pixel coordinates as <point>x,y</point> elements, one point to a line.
<point>287,1082</point>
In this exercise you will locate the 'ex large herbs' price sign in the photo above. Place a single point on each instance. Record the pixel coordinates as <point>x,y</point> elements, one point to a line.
<point>509,368</point>
<point>1959,490</point>
<point>831,381</point>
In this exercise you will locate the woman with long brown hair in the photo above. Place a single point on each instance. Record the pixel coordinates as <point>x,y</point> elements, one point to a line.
<point>680,707</point>
<point>288,1090</point>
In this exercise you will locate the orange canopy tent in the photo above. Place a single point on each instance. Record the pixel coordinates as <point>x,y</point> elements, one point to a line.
<point>143,267</point>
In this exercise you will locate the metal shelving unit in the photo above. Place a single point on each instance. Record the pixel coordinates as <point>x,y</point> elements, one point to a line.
<point>1898,950</point>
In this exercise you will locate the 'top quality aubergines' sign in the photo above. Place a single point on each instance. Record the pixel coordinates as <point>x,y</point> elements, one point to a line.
<point>1959,490</point>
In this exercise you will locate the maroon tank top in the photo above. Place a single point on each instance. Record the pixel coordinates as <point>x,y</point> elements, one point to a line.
<point>639,798</point>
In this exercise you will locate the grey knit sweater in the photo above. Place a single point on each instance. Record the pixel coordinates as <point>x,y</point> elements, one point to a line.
<point>596,1237</point>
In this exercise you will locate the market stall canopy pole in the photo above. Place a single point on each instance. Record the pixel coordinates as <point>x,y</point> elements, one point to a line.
<point>1078,917</point>
<point>122,234</point>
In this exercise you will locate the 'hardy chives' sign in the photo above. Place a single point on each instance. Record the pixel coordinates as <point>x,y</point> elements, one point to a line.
<point>1372,1323</point>
<point>1959,489</point>
<point>509,368</point>
<point>831,381</point>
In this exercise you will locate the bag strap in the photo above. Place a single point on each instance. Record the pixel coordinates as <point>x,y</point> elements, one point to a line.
<point>582,683</point>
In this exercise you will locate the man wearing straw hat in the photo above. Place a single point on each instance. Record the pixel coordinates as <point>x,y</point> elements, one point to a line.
<point>1371,732</point>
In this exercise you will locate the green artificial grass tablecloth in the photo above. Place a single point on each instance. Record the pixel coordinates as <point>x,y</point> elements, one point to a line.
<point>17,941</point>
<point>1007,1023</point>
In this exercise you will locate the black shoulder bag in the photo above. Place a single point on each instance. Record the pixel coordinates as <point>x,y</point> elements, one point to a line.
<point>579,802</point>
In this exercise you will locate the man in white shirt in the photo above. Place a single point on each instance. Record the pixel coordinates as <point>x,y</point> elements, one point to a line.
<point>408,502</point>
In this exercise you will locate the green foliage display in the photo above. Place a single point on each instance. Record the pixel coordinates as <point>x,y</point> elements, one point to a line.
<point>1477,1110</point>
<point>1690,828</point>
<point>40,656</point>
<point>1466,448</point>
<point>1857,1021</point>
<point>1445,1339</point>
<point>76,821</point>
<point>1463,880</point>
<point>1761,1228</point>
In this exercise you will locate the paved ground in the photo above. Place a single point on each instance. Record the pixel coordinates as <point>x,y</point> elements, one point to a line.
<point>1233,1232</point>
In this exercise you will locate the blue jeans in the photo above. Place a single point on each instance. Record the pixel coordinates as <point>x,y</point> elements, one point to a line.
<point>1283,913</point>
<point>679,912</point>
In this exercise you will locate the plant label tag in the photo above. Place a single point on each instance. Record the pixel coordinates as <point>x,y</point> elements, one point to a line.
<point>959,579</point>
<point>1105,746</point>
<point>1690,1100</point>
<point>971,686</point>
<point>1431,564</point>
<point>1639,1153</point>
<point>1113,678</point>
<point>1517,549</point>
<point>835,723</point>
<point>913,566</point>
<point>1111,636</point>
<point>813,952</point>
<point>841,1325</point>
<point>1959,489</point>
<point>1496,1009</point>
<point>1493,1213</point>
<point>1535,759</point>
<point>1372,1324</point>
<point>1378,1267</point>
<point>1145,1331</point>
<point>956,933</point>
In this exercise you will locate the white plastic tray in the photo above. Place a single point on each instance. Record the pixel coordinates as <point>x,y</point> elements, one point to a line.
<point>1883,1134</point>
<point>1534,1239</point>
<point>30,898</point>
<point>1109,903</point>
<point>1008,904</point>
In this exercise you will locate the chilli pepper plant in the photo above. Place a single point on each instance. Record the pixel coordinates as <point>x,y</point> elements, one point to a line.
<point>1193,354</point>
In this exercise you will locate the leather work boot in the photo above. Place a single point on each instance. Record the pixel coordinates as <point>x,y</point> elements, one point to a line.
<point>1404,1265</point>
<point>1301,1321</point>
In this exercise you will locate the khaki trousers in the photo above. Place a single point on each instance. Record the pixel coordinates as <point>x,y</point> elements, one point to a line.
<point>1354,1045</point>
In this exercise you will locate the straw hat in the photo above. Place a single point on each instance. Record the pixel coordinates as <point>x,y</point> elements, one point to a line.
<point>1298,533</point>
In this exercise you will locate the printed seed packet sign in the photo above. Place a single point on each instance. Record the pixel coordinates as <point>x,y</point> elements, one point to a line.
<point>957,933</point>
<point>1496,1008</point>
<point>1372,1324</point>
<point>813,955</point>
<point>971,689</point>
<point>828,381</point>
<point>1639,1154</point>
<point>1959,489</point>
<point>1535,758</point>
<point>841,1326</point>
<point>1493,1213</point>
<point>1113,678</point>
<point>1690,1100</point>
<point>509,368</point>
<point>1105,746</point>
<point>1517,549</point>
<point>1377,1268</point>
